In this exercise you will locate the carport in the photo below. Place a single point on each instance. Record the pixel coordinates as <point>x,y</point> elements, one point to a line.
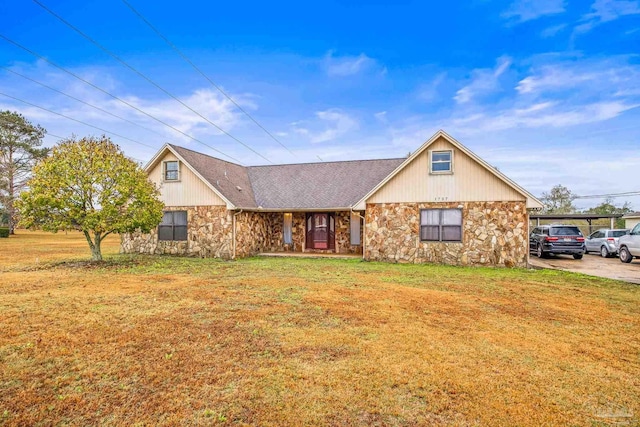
<point>586,217</point>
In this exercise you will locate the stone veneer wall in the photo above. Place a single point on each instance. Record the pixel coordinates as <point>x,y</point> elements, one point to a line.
<point>493,233</point>
<point>209,234</point>
<point>343,234</point>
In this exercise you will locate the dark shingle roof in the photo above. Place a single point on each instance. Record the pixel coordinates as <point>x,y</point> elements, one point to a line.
<point>295,186</point>
<point>224,176</point>
<point>317,185</point>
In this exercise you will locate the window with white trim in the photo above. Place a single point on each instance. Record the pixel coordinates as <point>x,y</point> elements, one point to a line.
<point>171,170</point>
<point>173,226</point>
<point>441,161</point>
<point>441,225</point>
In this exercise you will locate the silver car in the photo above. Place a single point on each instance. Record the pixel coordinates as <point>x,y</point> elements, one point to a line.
<point>604,241</point>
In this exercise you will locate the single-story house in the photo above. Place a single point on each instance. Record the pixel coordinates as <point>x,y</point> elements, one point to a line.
<point>441,204</point>
<point>631,219</point>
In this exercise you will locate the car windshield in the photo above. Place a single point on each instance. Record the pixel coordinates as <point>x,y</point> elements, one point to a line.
<point>564,231</point>
<point>618,233</point>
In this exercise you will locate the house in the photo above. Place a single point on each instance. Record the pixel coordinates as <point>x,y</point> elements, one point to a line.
<point>442,204</point>
<point>631,219</point>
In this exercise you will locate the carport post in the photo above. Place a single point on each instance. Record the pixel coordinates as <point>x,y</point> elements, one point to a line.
<point>611,222</point>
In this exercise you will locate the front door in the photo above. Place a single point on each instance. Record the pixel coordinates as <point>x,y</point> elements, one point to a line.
<point>321,231</point>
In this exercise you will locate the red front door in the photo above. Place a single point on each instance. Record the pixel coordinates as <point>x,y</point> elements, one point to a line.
<point>321,231</point>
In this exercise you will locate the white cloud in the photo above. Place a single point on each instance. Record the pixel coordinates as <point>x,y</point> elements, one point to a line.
<point>607,11</point>
<point>430,90</point>
<point>552,31</point>
<point>542,115</point>
<point>347,65</point>
<point>612,76</point>
<point>381,116</point>
<point>528,10</point>
<point>483,81</point>
<point>339,124</point>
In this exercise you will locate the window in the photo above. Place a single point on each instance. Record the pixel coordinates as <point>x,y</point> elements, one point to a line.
<point>441,161</point>
<point>286,231</point>
<point>441,225</point>
<point>354,224</point>
<point>171,171</point>
<point>173,226</point>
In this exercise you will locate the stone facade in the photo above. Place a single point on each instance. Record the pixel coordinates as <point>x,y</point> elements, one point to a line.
<point>493,233</point>
<point>210,234</point>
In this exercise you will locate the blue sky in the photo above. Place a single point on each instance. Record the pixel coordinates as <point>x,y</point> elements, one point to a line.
<point>548,91</point>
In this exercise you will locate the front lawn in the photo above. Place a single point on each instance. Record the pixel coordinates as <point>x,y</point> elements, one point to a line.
<point>154,340</point>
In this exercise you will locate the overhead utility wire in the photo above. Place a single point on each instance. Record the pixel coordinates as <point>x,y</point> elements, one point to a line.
<point>115,97</point>
<point>81,101</point>
<point>598,196</point>
<point>76,120</point>
<point>195,67</point>
<point>124,63</point>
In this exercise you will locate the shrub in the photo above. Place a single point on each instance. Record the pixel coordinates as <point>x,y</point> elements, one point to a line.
<point>4,232</point>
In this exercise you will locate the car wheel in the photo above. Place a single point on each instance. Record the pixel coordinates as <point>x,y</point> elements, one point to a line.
<point>539,251</point>
<point>577,256</point>
<point>604,252</point>
<point>625,255</point>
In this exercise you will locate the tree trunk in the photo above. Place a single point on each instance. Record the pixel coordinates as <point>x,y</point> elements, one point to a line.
<point>96,253</point>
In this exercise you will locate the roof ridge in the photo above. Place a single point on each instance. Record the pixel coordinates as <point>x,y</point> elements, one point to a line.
<point>325,163</point>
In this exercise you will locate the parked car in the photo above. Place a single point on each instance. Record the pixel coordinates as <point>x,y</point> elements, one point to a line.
<point>630,245</point>
<point>557,239</point>
<point>604,241</point>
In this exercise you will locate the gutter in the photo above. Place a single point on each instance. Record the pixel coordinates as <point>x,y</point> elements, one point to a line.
<point>234,233</point>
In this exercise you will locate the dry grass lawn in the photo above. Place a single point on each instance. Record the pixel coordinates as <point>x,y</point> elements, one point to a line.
<point>304,342</point>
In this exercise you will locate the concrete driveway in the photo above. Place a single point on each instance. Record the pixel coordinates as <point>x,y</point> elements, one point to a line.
<point>593,265</point>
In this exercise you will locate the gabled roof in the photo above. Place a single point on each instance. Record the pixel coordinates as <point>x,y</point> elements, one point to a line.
<point>230,179</point>
<point>532,201</point>
<point>307,186</point>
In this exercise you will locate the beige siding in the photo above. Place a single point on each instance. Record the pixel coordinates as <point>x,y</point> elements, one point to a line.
<point>189,191</point>
<point>631,222</point>
<point>470,182</point>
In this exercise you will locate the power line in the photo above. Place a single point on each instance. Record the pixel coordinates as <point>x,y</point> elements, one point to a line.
<point>114,96</point>
<point>76,120</point>
<point>81,101</point>
<point>600,196</point>
<point>124,63</point>
<point>188,61</point>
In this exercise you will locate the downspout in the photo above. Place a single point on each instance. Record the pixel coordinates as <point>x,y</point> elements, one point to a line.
<point>234,233</point>
<point>364,231</point>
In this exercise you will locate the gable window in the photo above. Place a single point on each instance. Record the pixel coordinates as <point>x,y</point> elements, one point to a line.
<point>441,225</point>
<point>171,171</point>
<point>441,161</point>
<point>287,229</point>
<point>173,226</point>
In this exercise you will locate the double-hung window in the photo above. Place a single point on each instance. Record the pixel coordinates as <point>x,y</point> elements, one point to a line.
<point>172,170</point>
<point>441,225</point>
<point>441,161</point>
<point>173,226</point>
